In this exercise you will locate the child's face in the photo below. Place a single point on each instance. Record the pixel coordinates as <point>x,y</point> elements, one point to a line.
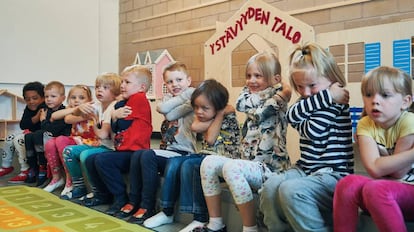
<point>33,99</point>
<point>104,94</point>
<point>203,109</point>
<point>385,107</point>
<point>176,82</point>
<point>77,97</point>
<point>53,98</point>
<point>308,83</point>
<point>255,81</point>
<point>130,85</point>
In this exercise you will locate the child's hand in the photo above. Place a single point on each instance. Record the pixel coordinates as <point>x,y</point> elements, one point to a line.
<point>122,112</point>
<point>228,110</point>
<point>43,113</point>
<point>339,94</point>
<point>87,108</point>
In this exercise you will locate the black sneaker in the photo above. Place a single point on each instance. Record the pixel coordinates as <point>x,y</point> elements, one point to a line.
<point>97,200</point>
<point>206,229</point>
<point>140,216</point>
<point>31,176</point>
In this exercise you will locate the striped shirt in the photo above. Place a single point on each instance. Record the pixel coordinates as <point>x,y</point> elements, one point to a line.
<point>325,133</point>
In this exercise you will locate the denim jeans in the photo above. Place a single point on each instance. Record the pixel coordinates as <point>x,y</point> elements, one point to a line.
<point>294,201</point>
<point>97,185</point>
<point>111,166</point>
<point>144,177</point>
<point>191,193</point>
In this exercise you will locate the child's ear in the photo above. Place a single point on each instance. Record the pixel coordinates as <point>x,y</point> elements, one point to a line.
<point>407,101</point>
<point>276,79</point>
<point>189,80</point>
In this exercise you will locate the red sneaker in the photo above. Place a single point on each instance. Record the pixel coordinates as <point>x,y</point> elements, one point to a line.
<point>5,171</point>
<point>19,178</point>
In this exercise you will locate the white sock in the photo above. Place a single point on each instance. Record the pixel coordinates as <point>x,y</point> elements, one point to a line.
<point>250,228</point>
<point>190,227</point>
<point>215,223</point>
<point>158,220</point>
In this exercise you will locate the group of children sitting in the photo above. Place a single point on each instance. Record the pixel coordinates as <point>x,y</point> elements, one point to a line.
<point>96,142</point>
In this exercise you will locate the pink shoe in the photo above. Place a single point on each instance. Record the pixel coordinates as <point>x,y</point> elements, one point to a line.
<point>5,171</point>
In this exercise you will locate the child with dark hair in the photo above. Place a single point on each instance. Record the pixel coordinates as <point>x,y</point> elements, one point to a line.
<point>34,142</point>
<point>33,94</point>
<point>216,120</point>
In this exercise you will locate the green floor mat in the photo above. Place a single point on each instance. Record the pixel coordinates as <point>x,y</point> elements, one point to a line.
<point>24,208</point>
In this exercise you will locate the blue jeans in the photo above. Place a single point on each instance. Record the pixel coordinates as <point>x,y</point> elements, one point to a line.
<point>144,178</point>
<point>98,186</point>
<point>294,201</point>
<point>111,166</point>
<point>191,192</point>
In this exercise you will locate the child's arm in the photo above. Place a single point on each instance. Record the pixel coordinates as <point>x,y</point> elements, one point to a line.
<point>307,117</point>
<point>174,102</point>
<point>102,132</point>
<point>179,111</point>
<point>396,165</point>
<point>286,92</point>
<point>60,114</point>
<point>27,121</point>
<point>200,127</point>
<point>213,130</point>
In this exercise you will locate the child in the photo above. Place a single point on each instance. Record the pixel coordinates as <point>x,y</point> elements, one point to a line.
<point>300,199</point>
<point>178,140</point>
<point>107,88</point>
<point>385,138</point>
<point>131,120</point>
<point>216,120</point>
<point>34,142</point>
<point>33,94</point>
<point>82,127</point>
<point>264,143</point>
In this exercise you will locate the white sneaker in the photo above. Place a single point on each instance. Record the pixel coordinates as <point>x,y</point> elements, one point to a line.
<point>52,186</point>
<point>66,190</point>
<point>190,227</point>
<point>158,220</point>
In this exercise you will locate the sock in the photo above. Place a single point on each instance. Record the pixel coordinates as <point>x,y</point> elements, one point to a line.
<point>215,223</point>
<point>250,228</point>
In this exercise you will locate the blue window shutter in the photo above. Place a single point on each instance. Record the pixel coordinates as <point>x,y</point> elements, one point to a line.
<point>401,50</point>
<point>372,56</point>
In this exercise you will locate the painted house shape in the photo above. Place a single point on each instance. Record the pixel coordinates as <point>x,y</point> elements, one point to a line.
<point>12,110</point>
<point>155,60</point>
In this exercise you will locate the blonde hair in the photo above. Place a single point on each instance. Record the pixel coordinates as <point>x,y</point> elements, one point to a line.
<point>267,63</point>
<point>374,81</point>
<point>313,55</point>
<point>140,72</point>
<point>56,84</point>
<point>111,79</point>
<point>175,66</point>
<point>82,87</point>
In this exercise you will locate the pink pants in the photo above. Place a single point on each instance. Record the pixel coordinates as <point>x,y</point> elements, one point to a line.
<point>53,153</point>
<point>388,202</point>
